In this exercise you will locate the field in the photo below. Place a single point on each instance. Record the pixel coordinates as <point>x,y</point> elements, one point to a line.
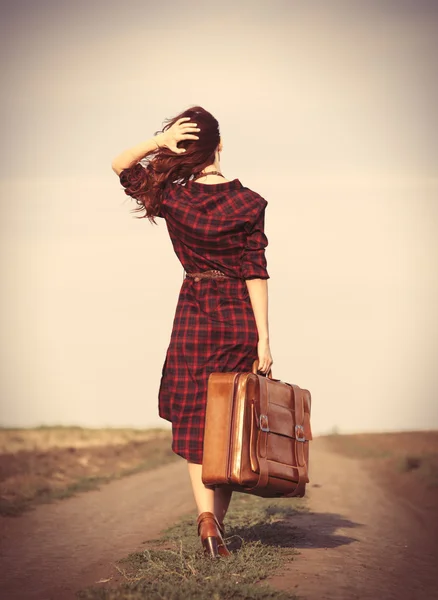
<point>47,463</point>
<point>366,529</point>
<point>405,463</point>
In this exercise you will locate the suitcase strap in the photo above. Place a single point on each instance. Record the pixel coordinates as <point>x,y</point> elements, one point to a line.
<point>299,427</point>
<point>263,438</point>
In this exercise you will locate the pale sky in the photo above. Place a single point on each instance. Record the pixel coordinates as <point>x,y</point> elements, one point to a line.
<point>327,109</point>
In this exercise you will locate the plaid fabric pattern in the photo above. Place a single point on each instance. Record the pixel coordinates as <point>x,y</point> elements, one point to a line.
<point>218,226</point>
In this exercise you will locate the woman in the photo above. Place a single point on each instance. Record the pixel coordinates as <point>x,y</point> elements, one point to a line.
<point>216,227</point>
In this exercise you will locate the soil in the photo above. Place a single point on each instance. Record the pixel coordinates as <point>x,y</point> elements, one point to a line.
<point>56,549</point>
<point>40,465</point>
<point>371,530</point>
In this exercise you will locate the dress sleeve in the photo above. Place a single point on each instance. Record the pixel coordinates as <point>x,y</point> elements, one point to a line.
<point>132,179</point>
<point>254,260</point>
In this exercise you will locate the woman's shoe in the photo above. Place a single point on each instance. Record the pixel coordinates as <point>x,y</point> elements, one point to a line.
<point>221,528</point>
<point>211,537</point>
<point>223,550</point>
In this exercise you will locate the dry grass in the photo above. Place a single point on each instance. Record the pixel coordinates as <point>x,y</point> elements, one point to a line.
<point>48,463</point>
<point>48,437</point>
<point>405,462</point>
<point>174,568</point>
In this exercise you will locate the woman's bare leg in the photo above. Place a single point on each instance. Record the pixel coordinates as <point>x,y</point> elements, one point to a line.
<point>204,495</point>
<point>207,498</point>
<point>222,498</point>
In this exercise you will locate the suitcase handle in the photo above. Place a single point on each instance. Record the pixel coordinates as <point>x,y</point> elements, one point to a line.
<point>255,365</point>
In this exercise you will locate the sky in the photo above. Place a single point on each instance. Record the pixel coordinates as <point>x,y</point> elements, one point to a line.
<point>326,109</point>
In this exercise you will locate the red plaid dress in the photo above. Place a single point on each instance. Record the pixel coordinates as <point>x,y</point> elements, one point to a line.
<point>218,226</point>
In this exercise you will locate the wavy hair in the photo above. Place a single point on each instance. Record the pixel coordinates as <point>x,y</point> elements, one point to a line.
<point>164,166</point>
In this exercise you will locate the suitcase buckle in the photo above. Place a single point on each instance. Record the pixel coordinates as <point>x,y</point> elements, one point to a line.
<point>264,425</point>
<point>299,433</point>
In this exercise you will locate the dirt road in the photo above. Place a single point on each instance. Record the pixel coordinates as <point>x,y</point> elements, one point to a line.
<point>358,541</point>
<point>56,549</point>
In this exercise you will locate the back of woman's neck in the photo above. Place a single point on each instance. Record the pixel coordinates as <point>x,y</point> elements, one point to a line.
<point>210,176</point>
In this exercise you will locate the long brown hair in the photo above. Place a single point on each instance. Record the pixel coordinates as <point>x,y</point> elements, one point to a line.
<point>164,166</point>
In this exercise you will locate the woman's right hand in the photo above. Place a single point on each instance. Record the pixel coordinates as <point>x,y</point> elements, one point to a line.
<point>265,357</point>
<point>180,130</point>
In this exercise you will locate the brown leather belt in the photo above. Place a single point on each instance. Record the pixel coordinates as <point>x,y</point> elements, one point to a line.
<point>211,274</point>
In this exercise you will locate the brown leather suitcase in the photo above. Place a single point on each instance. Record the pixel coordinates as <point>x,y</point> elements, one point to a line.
<point>257,433</point>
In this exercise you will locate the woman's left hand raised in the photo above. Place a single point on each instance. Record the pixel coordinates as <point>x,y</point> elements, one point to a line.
<point>180,130</point>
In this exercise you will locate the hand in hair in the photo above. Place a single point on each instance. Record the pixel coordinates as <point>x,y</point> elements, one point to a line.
<point>179,131</point>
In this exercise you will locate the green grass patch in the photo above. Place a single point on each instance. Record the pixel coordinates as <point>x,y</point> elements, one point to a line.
<point>258,532</point>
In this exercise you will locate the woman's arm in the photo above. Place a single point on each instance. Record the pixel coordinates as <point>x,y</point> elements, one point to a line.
<point>133,155</point>
<point>180,130</point>
<point>256,275</point>
<point>258,293</point>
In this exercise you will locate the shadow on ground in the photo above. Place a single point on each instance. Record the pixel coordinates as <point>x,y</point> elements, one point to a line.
<point>300,530</point>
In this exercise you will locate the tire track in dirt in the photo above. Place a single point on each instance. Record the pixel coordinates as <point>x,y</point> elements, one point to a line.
<point>51,552</point>
<point>359,541</point>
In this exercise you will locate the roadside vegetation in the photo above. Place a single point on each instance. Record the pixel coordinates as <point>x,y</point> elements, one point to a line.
<point>51,463</point>
<point>410,453</point>
<point>258,531</point>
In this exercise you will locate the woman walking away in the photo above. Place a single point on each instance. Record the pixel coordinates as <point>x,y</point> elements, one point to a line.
<point>216,227</point>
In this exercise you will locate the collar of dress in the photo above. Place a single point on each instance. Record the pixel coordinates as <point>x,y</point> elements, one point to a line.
<point>233,184</point>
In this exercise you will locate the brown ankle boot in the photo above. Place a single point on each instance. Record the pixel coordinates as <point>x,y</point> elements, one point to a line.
<point>211,538</point>
<point>223,550</point>
<point>221,528</point>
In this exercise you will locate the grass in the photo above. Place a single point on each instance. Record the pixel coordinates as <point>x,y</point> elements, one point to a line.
<point>357,446</point>
<point>412,455</point>
<point>47,437</point>
<point>174,568</point>
<point>42,468</point>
